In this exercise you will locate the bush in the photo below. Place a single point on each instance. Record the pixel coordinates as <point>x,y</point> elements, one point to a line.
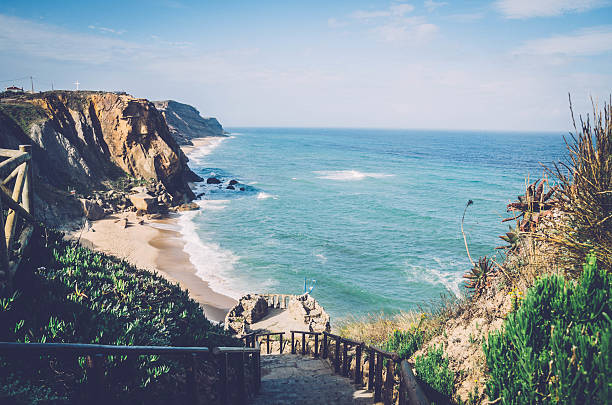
<point>404,343</point>
<point>585,182</point>
<point>556,347</point>
<point>69,294</point>
<point>433,369</point>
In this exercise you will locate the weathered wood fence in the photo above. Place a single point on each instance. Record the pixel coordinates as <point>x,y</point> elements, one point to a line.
<point>385,374</point>
<point>16,197</point>
<point>238,367</point>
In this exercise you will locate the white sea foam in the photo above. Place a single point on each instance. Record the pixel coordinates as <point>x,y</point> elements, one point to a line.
<point>265,196</point>
<point>197,155</point>
<point>435,275</point>
<point>348,175</point>
<point>210,260</point>
<point>321,257</point>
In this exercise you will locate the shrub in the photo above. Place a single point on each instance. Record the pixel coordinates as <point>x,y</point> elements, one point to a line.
<point>433,369</point>
<point>69,294</point>
<point>556,347</point>
<point>585,184</point>
<point>404,343</point>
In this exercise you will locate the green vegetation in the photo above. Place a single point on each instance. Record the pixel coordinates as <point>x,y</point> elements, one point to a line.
<point>556,347</point>
<point>24,114</point>
<point>405,343</point>
<point>66,293</point>
<point>433,369</point>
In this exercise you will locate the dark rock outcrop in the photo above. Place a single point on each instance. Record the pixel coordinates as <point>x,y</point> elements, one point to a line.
<point>185,122</point>
<point>213,180</point>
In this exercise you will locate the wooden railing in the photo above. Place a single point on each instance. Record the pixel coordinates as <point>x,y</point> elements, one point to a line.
<point>238,359</point>
<point>16,195</point>
<point>398,377</point>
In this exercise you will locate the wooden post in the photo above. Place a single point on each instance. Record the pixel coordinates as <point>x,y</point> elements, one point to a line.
<point>358,378</point>
<point>281,343</point>
<point>337,355</point>
<point>27,187</point>
<point>95,378</point>
<point>223,368</point>
<point>389,382</point>
<point>378,380</point>
<point>241,383</point>
<point>324,346</point>
<point>258,370</point>
<point>292,343</point>
<point>371,364</point>
<point>345,364</point>
<point>191,380</point>
<point>303,344</point>
<point>4,258</point>
<point>11,218</point>
<point>267,344</point>
<point>316,348</point>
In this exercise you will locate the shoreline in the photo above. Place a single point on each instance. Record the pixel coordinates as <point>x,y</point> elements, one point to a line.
<point>156,248</point>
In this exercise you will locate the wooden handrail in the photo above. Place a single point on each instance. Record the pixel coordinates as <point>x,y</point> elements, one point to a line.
<point>8,165</point>
<point>410,391</point>
<point>76,348</point>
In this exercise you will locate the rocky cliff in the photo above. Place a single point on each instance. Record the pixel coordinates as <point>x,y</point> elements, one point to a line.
<point>84,141</point>
<point>185,122</point>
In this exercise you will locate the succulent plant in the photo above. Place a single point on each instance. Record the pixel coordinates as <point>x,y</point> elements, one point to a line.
<point>531,205</point>
<point>511,237</point>
<point>477,277</point>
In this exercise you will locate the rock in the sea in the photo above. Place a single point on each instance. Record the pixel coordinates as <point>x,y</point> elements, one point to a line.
<point>213,180</point>
<point>230,187</point>
<point>241,188</point>
<point>143,201</point>
<point>188,207</point>
<point>233,182</point>
<point>92,210</point>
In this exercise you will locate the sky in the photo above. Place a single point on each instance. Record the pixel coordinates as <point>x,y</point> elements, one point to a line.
<point>504,65</point>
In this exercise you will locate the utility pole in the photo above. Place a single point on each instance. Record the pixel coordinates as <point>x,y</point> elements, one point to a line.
<point>32,84</point>
<point>52,86</point>
<point>77,85</point>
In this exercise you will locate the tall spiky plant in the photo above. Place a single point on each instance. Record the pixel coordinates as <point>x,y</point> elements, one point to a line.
<point>586,189</point>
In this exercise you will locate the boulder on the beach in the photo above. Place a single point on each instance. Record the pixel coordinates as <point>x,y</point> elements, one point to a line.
<point>188,207</point>
<point>230,187</point>
<point>143,201</point>
<point>233,182</point>
<point>213,180</point>
<point>92,210</point>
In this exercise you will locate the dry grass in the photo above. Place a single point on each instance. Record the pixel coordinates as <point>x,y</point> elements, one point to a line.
<point>586,191</point>
<point>375,329</point>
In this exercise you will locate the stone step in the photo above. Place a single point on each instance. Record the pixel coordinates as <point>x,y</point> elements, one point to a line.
<point>289,379</point>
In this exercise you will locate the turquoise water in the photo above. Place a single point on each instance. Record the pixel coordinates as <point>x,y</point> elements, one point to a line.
<point>373,215</point>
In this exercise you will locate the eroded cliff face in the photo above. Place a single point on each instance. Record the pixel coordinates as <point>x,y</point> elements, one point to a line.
<point>186,123</point>
<point>83,139</point>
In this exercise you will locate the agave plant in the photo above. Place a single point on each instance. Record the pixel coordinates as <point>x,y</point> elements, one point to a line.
<point>512,238</point>
<point>531,205</point>
<point>477,277</point>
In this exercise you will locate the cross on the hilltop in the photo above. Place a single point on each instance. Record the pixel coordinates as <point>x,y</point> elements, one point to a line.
<point>77,85</point>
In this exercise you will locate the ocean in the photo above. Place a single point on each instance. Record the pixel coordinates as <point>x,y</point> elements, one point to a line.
<point>372,215</point>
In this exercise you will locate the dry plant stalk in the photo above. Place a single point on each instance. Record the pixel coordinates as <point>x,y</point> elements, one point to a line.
<point>585,192</point>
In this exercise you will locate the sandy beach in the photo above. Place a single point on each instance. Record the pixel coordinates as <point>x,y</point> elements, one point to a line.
<point>147,246</point>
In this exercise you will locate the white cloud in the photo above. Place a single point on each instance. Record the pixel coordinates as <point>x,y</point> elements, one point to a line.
<point>592,41</point>
<point>545,8</point>
<point>397,10</point>
<point>334,23</point>
<point>401,9</point>
<point>406,30</point>
<point>465,17</point>
<point>432,5</point>
<point>105,30</point>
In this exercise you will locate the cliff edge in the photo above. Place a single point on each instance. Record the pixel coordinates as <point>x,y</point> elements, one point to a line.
<point>84,141</point>
<point>185,122</point>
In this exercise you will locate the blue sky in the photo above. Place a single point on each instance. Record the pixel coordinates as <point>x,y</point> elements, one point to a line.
<point>497,64</point>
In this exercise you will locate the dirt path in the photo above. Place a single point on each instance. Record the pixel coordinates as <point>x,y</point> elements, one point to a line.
<point>292,379</point>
